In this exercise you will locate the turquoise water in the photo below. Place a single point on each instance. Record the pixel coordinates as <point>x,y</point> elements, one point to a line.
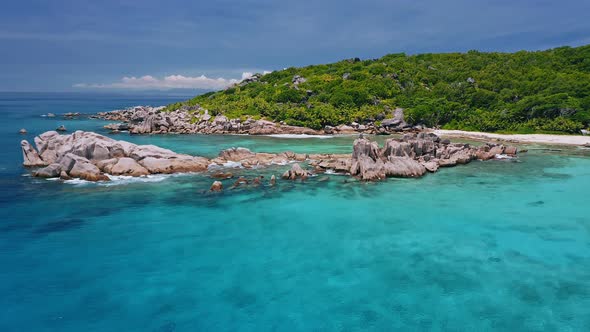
<point>492,246</point>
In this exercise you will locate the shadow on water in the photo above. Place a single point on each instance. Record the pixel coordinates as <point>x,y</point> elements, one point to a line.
<point>59,226</point>
<point>166,327</point>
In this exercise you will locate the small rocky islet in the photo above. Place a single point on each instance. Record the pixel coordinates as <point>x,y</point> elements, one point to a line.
<point>94,157</point>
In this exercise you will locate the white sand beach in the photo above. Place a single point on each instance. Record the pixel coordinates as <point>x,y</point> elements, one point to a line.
<point>518,138</point>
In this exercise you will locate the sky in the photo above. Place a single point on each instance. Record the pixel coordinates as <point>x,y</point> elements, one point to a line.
<point>139,45</point>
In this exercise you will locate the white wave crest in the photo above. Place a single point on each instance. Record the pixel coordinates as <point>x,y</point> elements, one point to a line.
<point>116,180</point>
<point>503,156</point>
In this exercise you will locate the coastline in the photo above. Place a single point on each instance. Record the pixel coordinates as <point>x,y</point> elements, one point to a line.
<point>150,120</point>
<point>93,157</point>
<point>570,140</point>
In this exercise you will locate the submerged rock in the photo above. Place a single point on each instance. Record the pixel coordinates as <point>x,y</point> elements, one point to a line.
<point>296,172</point>
<point>61,128</point>
<point>217,186</point>
<point>22,131</point>
<point>221,175</point>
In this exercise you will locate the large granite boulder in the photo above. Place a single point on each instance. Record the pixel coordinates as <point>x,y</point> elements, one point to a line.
<point>236,154</point>
<point>395,148</point>
<point>30,156</point>
<point>403,167</point>
<point>106,165</point>
<point>174,165</point>
<point>85,170</point>
<point>91,156</point>
<point>140,152</point>
<point>128,166</point>
<point>51,171</point>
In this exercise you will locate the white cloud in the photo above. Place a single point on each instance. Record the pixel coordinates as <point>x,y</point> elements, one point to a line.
<point>149,82</point>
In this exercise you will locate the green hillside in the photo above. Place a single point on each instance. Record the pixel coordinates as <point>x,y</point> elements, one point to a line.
<point>545,91</point>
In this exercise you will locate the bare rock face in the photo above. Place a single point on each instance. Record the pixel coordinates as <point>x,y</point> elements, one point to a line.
<point>296,172</point>
<point>395,160</point>
<point>51,171</point>
<point>403,167</point>
<point>85,170</point>
<point>175,165</point>
<point>236,154</point>
<point>365,147</point>
<point>431,166</point>
<point>128,166</point>
<point>106,165</point>
<point>30,155</point>
<point>140,152</point>
<point>145,127</point>
<point>217,186</point>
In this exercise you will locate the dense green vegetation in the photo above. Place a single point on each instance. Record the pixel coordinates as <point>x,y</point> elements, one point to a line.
<point>546,91</point>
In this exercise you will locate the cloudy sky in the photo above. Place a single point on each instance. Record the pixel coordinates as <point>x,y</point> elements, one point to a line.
<point>83,45</point>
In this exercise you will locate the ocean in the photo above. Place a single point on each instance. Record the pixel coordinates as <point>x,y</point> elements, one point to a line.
<point>500,245</point>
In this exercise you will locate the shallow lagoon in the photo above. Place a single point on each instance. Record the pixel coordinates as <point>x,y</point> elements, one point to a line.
<point>498,245</point>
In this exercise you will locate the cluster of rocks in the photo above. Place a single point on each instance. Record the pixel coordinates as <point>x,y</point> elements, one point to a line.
<point>196,120</point>
<point>67,116</point>
<point>242,181</point>
<point>192,120</point>
<point>381,126</point>
<point>409,156</point>
<point>93,157</point>
<point>90,156</point>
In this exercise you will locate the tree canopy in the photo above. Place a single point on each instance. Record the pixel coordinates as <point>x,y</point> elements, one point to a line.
<point>542,91</point>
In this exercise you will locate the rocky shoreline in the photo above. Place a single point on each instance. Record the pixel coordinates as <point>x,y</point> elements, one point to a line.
<point>196,120</point>
<point>93,157</point>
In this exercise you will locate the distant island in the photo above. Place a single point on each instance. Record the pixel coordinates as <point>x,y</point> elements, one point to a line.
<point>523,92</point>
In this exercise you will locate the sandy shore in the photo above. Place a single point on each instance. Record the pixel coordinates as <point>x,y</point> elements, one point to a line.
<point>518,138</point>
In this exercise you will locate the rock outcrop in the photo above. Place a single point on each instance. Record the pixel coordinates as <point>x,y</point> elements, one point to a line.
<point>410,156</point>
<point>296,172</point>
<point>242,157</point>
<point>51,171</point>
<point>192,120</point>
<point>197,120</point>
<point>92,157</point>
<point>30,155</point>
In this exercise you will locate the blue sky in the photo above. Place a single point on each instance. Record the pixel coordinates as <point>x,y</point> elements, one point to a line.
<point>80,45</point>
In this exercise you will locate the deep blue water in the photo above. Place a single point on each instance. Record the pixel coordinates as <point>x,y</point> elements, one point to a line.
<point>491,246</point>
